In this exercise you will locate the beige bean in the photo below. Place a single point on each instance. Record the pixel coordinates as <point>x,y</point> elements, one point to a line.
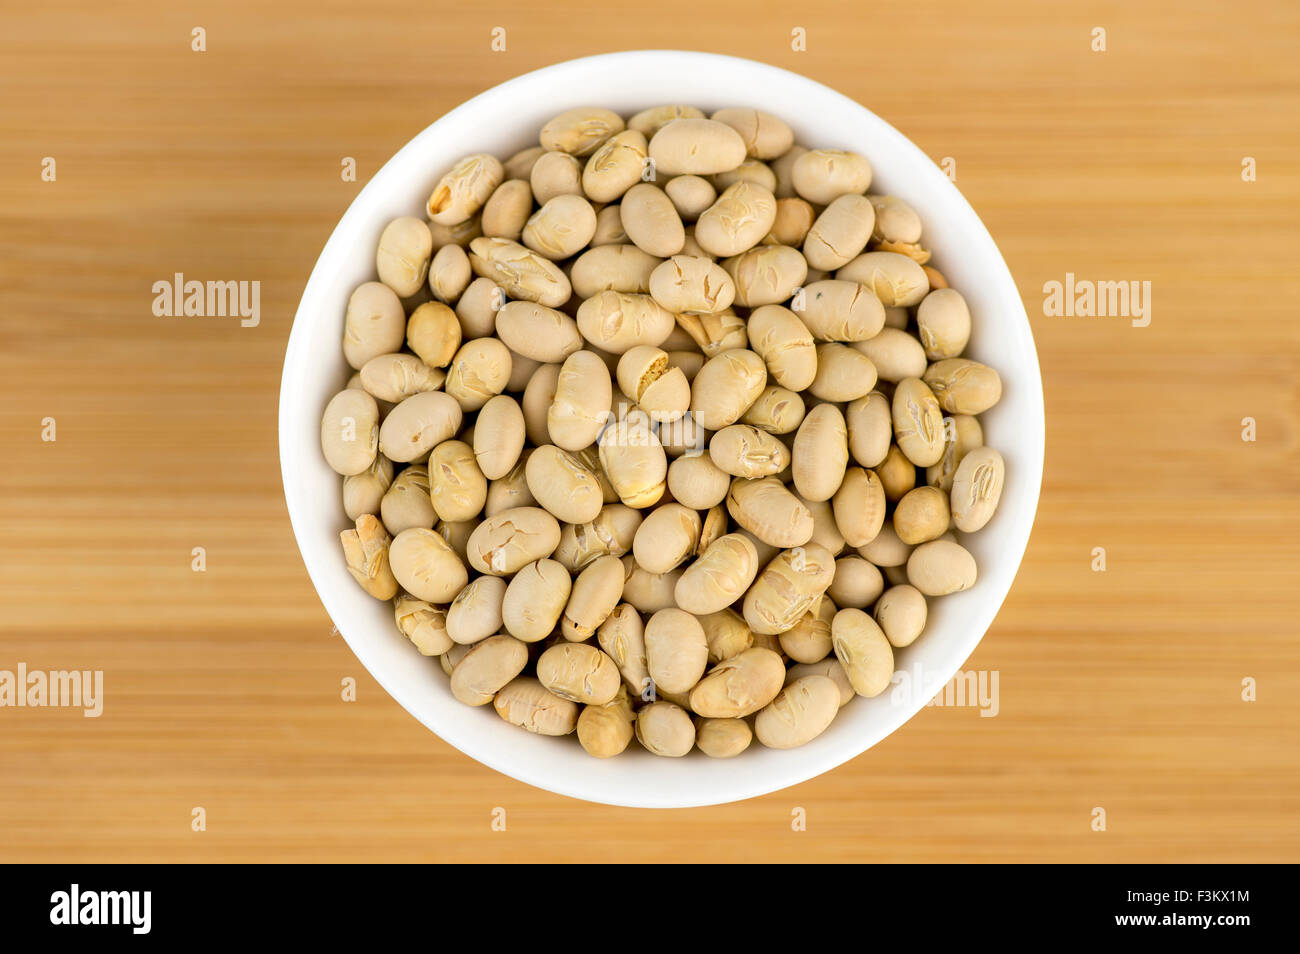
<point>739,686</point>
<point>895,220</point>
<point>615,166</point>
<point>478,306</point>
<point>475,613</point>
<point>507,210</point>
<point>648,592</point>
<point>395,377</point>
<point>715,333</point>
<point>918,422</point>
<point>821,452</point>
<point>977,488</point>
<point>840,233</point>
<point>449,660</point>
<point>561,228</point>
<point>622,637</point>
<point>810,639</point>
<point>367,551</point>
<point>682,436</point>
<point>478,373</point>
<point>962,433</point>
<point>794,219</point>
<point>407,502</point>
<point>943,323</point>
<point>785,344</point>
<point>825,532</point>
<point>870,425</point>
<point>765,136</point>
<point>661,391</point>
<point>843,374</point>
<point>665,729</point>
<point>402,259</point>
<point>537,332</point>
<point>835,310</point>
<point>885,549</point>
<point>743,214</point>
<point>374,323</point>
<point>620,268</point>
<point>579,672</point>
<point>525,702</point>
<point>364,492</point>
<point>726,386</point>
<point>782,168</point>
<point>606,730</point>
<point>563,485</point>
<point>787,588</point>
<point>419,424</point>
<point>434,334</point>
<point>896,473</point>
<point>686,283</point>
<point>897,280</point>
<point>426,566</point>
<point>777,410</point>
<point>595,593</point>
<point>461,233</point>
<point>723,738</point>
<point>510,491</point>
<point>457,487</point>
<point>463,190</point>
<point>349,432</point>
<point>719,577</point>
<point>692,146</point>
<point>507,541</point>
<point>521,163</point>
<point>802,711</point>
<point>768,510</point>
<point>921,515</point>
<point>863,651</point>
<point>690,195</point>
<point>751,170</point>
<point>498,436</point>
<point>697,482</point>
<point>829,667</point>
<point>676,650</point>
<point>651,222</point>
<point>766,274</point>
<point>579,409</point>
<point>521,272</point>
<point>963,386</point>
<point>896,355</point>
<point>580,131</point>
<point>611,533</point>
<point>940,567</point>
<point>650,121</point>
<point>457,534</point>
<point>609,227</point>
<point>423,624</point>
<point>857,583</point>
<point>616,322</point>
<point>901,612</point>
<point>539,395</point>
<point>823,175</point>
<point>535,599</point>
<point>743,450</point>
<point>859,506</point>
<point>555,174</point>
<point>726,633</point>
<point>666,537</point>
<point>634,461</point>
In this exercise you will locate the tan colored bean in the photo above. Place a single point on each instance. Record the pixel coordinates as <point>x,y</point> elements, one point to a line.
<point>395,377</point>
<point>766,275</point>
<point>871,428</point>
<point>525,702</point>
<point>478,373</point>
<point>534,600</point>
<point>740,686</point>
<point>579,672</point>
<point>349,432</point>
<point>676,650</point>
<point>825,532</point>
<point>507,210</point>
<point>616,322</point>
<point>609,227</point>
<point>743,214</point>
<point>940,567</point>
<point>787,588</point>
<point>521,272</point>
<point>579,408</point>
<point>921,515</point>
<point>449,660</point>
<point>478,306</point>
<point>520,165</point>
<point>690,195</point>
<point>976,488</point>
<point>896,279</point>
<point>962,433</point>
<point>751,170</point>
<point>783,167</point>
<point>829,667</point>
<point>510,491</point>
<point>895,220</point>
<point>461,233</point>
<point>943,323</point>
<point>686,283</point>
<point>651,222</point>
<point>595,594</point>
<point>475,613</point>
<point>555,174</point>
<point>665,729</point>
<point>723,738</point>
<point>539,395</point>
<point>419,424</point>
<point>726,633</point>
<point>901,612</point>
<point>719,577</point>
<point>699,147</point>
<point>682,436</point>
<point>835,310</point>
<point>498,436</point>
<point>895,353</point>
<point>615,166</point>
<point>776,411</point>
<point>364,492</point>
<point>402,260</point>
<point>765,136</point>
<point>423,624</point>
<point>802,711</point>
<point>622,637</point>
<point>434,334</point>
<point>858,583</point>
<point>963,386</point>
<point>743,450</point>
<point>885,549</point>
<point>374,323</point>
<point>918,422</point>
<point>666,537</point>
<point>561,228</point>
<point>840,233</point>
<point>367,552</point>
<point>426,566</point>
<point>785,345</point>
<point>661,391</point>
<point>650,121</point>
<point>843,374</point>
<point>580,131</point>
<point>859,506</point>
<point>648,592</point>
<point>634,461</point>
<point>457,487</point>
<point>810,639</point>
<point>715,333</point>
<point>726,387</point>
<point>507,541</point>
<point>697,482</point>
<point>457,534</point>
<point>821,452</point>
<point>407,502</point>
<point>605,731</point>
<point>794,219</point>
<point>620,268</point>
<point>823,175</point>
<point>563,485</point>
<point>463,190</point>
<point>611,533</point>
<point>896,473</point>
<point>768,510</point>
<point>863,651</point>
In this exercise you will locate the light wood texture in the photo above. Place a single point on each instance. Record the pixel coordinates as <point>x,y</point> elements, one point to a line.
<point>1119,689</point>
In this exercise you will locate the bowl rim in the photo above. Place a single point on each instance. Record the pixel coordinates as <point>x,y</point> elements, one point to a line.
<point>1033,447</point>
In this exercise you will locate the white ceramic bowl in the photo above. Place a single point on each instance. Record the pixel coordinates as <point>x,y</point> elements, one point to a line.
<point>507,118</point>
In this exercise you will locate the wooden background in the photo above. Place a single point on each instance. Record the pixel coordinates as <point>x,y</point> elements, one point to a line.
<point>1119,690</point>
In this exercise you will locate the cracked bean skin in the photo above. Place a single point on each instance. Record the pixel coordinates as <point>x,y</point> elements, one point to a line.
<point>395,377</point>
<point>419,424</point>
<point>581,130</point>
<point>743,214</point>
<point>463,190</point>
<point>616,322</point>
<point>478,373</point>
<point>859,506</point>
<point>615,166</point>
<point>769,511</point>
<point>809,641</point>
<point>457,487</point>
<point>977,488</point>
<point>366,552</point>
<point>650,121</point>
<point>562,485</point>
<point>962,434</point>
<point>373,324</point>
<point>823,175</point>
<point>803,710</point>
<point>688,283</point>
<point>561,228</point>
<point>719,577</point>
<point>620,268</point>
<point>525,702</point>
<point>787,588</point>
<point>424,624</point>
<point>918,422</point>
<point>962,386</point>
<point>520,272</point>
<point>739,686</point>
<point>511,539</point>
<point>475,613</point>
<point>405,249</point>
<point>943,324</point>
<point>580,673</point>
<point>785,345</point>
<point>863,651</point>
<point>838,310</point>
<point>743,450</point>
<point>725,388</point>
<point>840,233</point>
<point>364,492</point>
<point>666,538</point>
<point>897,280</point>
<point>535,599</point>
<point>593,598</point>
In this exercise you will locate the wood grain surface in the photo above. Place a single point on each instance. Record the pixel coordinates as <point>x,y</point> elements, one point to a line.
<point>1119,689</point>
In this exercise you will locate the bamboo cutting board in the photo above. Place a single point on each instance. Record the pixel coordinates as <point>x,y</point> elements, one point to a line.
<point>1170,158</point>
